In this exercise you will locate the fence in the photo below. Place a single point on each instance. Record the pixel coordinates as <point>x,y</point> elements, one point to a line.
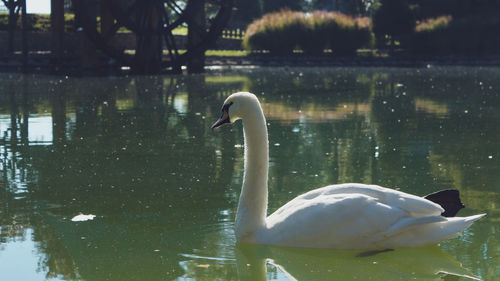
<point>233,33</point>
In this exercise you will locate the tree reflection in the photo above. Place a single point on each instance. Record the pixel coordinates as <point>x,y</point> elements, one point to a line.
<point>123,159</point>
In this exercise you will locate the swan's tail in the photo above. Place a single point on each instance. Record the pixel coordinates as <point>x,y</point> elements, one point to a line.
<point>448,199</point>
<point>450,228</point>
<point>430,233</point>
<point>459,224</point>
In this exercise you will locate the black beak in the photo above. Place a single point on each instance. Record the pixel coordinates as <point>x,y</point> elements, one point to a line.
<point>222,120</point>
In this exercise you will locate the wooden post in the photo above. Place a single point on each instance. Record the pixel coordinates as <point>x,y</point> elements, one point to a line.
<point>87,49</point>
<point>57,27</point>
<point>106,18</point>
<point>196,30</point>
<point>148,54</point>
<point>12,23</point>
<point>24,40</point>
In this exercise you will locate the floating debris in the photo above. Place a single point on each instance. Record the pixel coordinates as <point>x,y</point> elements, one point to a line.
<point>82,217</point>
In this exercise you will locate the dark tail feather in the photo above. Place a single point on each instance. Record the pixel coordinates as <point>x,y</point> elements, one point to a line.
<point>449,199</point>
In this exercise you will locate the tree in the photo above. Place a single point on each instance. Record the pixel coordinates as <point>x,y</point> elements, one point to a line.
<point>276,5</point>
<point>246,11</point>
<point>351,7</point>
<point>14,7</point>
<point>393,21</point>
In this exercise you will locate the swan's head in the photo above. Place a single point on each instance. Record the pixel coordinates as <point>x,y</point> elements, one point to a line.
<point>237,106</point>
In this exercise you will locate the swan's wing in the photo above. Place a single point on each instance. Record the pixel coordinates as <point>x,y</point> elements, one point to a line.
<point>330,220</point>
<point>348,216</point>
<point>415,206</point>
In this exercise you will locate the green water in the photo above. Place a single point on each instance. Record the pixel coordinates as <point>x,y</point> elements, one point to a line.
<point>138,153</point>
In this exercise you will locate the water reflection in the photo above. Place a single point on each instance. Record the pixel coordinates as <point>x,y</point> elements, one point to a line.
<point>138,153</point>
<point>270,263</point>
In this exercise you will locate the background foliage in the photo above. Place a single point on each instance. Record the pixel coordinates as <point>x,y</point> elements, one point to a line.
<point>282,32</point>
<point>420,27</point>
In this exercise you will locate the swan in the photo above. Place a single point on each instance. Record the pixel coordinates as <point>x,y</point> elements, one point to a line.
<point>342,216</point>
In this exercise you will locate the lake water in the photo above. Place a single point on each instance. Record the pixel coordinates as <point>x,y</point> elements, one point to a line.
<point>138,154</point>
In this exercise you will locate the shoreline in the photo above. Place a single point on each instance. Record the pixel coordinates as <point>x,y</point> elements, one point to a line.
<point>353,61</point>
<point>41,64</point>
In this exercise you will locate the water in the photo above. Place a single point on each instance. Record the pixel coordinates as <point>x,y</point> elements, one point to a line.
<point>139,155</point>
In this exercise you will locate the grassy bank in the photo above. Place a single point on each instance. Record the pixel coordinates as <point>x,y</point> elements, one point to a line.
<point>37,22</point>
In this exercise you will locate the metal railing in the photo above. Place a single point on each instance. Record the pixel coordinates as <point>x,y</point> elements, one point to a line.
<point>236,33</point>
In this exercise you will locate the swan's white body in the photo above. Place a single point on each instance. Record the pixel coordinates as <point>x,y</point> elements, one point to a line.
<point>344,216</point>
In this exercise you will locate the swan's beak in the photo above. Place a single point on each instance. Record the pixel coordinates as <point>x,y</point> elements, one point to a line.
<point>222,120</point>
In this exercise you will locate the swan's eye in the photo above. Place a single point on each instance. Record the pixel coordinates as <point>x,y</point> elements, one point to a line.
<point>225,108</point>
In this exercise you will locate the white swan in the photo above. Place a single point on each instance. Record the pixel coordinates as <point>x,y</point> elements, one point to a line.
<point>344,216</point>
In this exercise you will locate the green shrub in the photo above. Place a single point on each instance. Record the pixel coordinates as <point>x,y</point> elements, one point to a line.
<point>282,32</point>
<point>445,35</point>
<point>275,32</point>
<point>431,36</point>
<point>352,34</point>
<point>433,24</point>
<point>314,36</point>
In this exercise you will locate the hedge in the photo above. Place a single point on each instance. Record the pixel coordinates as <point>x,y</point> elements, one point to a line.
<point>282,32</point>
<point>275,32</point>
<point>465,36</point>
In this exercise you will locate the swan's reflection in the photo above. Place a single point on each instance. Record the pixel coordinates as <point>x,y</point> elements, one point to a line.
<point>429,263</point>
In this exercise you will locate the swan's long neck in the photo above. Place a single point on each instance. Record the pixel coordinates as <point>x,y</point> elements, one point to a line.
<point>252,207</point>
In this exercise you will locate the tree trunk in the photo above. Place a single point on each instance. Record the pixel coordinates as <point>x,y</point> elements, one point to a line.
<point>87,49</point>
<point>196,30</point>
<point>12,23</point>
<point>148,40</point>
<point>24,39</point>
<point>57,27</point>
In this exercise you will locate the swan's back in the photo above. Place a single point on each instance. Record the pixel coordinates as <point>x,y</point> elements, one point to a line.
<point>416,206</point>
<point>358,216</point>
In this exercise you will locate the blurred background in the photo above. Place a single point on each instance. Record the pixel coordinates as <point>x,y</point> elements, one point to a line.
<point>168,36</point>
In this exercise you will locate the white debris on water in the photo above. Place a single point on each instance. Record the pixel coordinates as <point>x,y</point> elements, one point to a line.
<point>82,217</point>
